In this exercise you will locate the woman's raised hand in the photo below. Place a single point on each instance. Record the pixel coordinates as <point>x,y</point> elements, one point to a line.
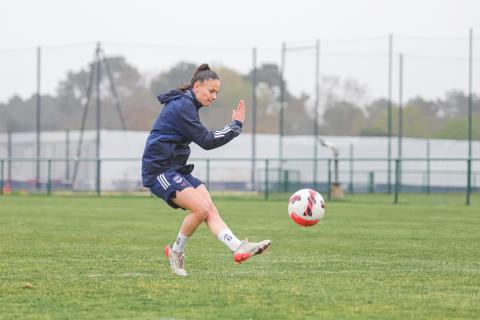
<point>239,113</point>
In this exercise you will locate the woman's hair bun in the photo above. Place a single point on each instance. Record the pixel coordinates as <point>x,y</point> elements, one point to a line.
<point>202,73</point>
<point>202,67</point>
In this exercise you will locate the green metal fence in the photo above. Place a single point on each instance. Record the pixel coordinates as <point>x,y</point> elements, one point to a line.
<point>262,177</point>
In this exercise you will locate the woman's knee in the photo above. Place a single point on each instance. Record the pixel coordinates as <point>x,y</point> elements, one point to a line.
<point>202,210</point>
<point>212,211</point>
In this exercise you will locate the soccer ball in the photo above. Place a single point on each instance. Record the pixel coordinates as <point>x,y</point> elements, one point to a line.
<point>306,207</point>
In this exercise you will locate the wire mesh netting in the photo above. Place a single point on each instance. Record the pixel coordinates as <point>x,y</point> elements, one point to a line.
<point>365,93</point>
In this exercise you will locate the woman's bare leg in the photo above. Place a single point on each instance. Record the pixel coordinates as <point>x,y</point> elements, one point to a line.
<point>193,201</point>
<point>201,207</point>
<point>214,222</point>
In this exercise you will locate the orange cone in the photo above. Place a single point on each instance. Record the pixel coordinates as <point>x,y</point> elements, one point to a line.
<point>7,189</point>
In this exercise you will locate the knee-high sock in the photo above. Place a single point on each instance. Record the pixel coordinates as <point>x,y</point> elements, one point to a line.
<point>229,239</point>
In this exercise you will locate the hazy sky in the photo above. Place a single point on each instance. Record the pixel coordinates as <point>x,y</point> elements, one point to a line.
<point>433,30</point>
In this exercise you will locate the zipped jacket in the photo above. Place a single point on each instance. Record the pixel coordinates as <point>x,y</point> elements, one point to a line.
<point>178,125</point>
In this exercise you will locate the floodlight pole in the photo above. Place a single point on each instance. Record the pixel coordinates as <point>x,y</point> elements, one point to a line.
<point>113,90</point>
<point>470,107</point>
<point>95,72</point>
<point>98,120</point>
<point>400,106</point>
<point>282,109</point>
<point>315,120</point>
<point>38,117</point>
<point>84,119</point>
<point>316,47</point>
<point>254,114</point>
<point>400,120</point>
<point>389,120</point>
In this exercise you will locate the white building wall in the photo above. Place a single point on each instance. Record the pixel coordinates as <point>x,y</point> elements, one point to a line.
<point>121,174</point>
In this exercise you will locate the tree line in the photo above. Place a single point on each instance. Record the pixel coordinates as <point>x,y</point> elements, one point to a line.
<point>343,111</point>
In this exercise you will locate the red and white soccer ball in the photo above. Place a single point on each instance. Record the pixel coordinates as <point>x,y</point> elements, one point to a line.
<point>306,207</point>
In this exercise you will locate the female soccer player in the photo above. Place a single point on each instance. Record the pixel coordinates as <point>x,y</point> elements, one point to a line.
<point>166,172</point>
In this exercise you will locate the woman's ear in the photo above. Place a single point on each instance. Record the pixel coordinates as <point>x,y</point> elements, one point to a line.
<point>196,84</point>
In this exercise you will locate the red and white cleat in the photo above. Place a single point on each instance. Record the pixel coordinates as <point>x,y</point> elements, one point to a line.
<point>176,261</point>
<point>249,249</point>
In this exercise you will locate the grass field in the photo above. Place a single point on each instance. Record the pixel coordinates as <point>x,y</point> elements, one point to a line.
<point>100,258</point>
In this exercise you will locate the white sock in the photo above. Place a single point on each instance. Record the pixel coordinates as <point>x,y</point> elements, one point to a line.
<point>227,237</point>
<point>179,245</point>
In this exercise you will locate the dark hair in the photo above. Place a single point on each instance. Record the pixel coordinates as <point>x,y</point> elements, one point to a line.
<point>202,73</point>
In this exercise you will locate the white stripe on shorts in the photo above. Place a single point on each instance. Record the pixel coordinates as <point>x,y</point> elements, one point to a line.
<point>167,184</point>
<point>163,181</point>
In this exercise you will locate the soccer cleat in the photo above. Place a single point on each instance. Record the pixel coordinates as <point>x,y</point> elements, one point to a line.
<point>249,249</point>
<point>176,261</point>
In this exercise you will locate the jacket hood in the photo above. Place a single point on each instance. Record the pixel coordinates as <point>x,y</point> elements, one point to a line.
<point>177,94</point>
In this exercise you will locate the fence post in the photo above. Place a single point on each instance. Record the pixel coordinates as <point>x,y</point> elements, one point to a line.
<point>428,167</point>
<point>474,183</point>
<point>371,182</point>
<point>99,179</point>
<point>208,173</point>
<point>469,180</point>
<point>397,179</point>
<point>49,177</point>
<point>350,185</point>
<point>286,181</point>
<point>1,176</point>
<point>266,179</point>
<point>9,156</point>
<point>67,155</point>
<point>329,183</point>
<point>280,176</point>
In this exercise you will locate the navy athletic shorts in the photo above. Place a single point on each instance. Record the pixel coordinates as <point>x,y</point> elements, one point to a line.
<point>169,182</point>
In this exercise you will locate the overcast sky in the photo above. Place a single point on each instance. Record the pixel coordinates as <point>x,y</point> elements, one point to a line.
<point>433,30</point>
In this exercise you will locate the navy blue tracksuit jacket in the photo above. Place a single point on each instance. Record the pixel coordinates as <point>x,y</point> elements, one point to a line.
<point>178,124</point>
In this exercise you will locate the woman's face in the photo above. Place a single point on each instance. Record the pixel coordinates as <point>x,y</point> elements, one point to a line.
<point>206,91</point>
